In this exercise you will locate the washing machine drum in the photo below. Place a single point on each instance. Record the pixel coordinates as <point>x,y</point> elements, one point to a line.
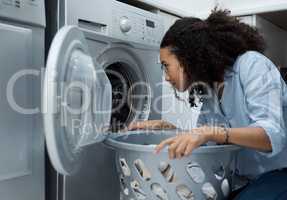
<point>76,102</point>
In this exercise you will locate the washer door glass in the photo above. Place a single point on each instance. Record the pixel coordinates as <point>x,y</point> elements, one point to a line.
<point>77,100</point>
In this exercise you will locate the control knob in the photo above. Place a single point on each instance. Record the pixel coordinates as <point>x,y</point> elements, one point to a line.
<point>125,24</point>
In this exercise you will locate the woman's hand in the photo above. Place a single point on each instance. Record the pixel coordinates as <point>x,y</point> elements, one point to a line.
<point>151,124</point>
<point>184,143</point>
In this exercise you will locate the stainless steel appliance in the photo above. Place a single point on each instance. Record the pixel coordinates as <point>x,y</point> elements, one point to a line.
<point>123,42</point>
<point>22,29</point>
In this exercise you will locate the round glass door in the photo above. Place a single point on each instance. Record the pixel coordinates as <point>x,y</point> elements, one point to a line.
<point>77,100</point>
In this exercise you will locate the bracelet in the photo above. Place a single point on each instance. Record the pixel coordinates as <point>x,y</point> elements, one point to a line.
<point>226,133</point>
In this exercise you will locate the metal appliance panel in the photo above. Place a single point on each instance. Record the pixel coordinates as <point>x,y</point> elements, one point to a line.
<point>22,141</point>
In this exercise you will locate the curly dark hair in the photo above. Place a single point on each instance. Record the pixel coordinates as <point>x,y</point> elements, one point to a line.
<point>207,48</point>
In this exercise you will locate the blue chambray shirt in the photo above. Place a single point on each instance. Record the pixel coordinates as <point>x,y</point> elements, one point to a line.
<point>254,95</point>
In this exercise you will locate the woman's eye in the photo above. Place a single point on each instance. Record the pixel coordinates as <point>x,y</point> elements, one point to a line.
<point>164,67</point>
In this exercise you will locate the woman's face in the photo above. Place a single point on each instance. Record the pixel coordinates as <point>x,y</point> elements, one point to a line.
<point>174,72</point>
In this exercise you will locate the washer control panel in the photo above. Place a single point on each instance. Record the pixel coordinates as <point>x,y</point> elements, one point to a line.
<point>133,24</point>
<point>116,19</point>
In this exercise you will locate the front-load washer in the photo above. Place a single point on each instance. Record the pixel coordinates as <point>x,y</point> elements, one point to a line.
<point>111,51</point>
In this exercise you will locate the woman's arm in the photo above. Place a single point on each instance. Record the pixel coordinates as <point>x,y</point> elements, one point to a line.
<point>151,124</point>
<point>184,143</point>
<point>251,137</point>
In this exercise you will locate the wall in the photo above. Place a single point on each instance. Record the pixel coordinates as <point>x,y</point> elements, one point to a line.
<point>274,36</point>
<point>243,7</point>
<point>183,7</point>
<point>202,8</point>
<point>190,6</point>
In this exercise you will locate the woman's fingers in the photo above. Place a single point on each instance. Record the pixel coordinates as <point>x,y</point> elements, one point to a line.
<point>150,124</point>
<point>178,146</point>
<point>137,125</point>
<point>172,148</point>
<point>161,145</point>
<point>180,150</point>
<point>188,149</point>
<point>132,126</point>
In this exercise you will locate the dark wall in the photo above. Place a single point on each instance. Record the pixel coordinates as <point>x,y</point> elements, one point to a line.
<point>51,28</point>
<point>51,22</point>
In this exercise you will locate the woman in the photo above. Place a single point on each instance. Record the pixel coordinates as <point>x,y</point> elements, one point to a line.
<point>244,99</point>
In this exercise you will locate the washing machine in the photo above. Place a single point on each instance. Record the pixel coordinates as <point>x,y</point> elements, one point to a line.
<point>102,69</point>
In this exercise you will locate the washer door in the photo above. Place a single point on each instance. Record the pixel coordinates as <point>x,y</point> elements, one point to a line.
<point>77,100</point>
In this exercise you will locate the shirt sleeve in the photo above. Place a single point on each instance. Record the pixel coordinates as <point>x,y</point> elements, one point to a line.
<point>263,87</point>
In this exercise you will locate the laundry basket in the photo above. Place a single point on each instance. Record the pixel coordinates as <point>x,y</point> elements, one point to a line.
<point>206,174</point>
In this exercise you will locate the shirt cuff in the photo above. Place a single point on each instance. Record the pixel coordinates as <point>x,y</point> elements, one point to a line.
<point>275,134</point>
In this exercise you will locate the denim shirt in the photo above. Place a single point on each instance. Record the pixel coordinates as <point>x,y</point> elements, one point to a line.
<point>254,95</point>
